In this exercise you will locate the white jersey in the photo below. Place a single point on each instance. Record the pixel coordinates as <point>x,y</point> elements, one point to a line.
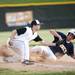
<point>28,35</point>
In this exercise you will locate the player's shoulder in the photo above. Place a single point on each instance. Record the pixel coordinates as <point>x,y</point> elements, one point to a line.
<point>63,35</point>
<point>71,44</point>
<point>60,33</point>
<point>28,28</point>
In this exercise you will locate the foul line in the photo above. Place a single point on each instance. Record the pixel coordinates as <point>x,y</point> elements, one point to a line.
<point>36,4</point>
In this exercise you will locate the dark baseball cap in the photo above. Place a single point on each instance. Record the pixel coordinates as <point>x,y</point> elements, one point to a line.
<point>35,22</point>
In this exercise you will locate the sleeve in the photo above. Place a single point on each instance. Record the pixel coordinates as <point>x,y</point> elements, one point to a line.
<point>21,31</point>
<point>37,39</point>
<point>58,43</point>
<point>57,39</point>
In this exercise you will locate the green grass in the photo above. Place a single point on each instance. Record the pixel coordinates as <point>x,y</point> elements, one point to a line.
<point>31,1</point>
<point>12,72</point>
<point>4,36</point>
<point>43,33</point>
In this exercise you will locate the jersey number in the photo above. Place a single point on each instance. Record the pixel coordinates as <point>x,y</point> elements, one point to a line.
<point>63,48</point>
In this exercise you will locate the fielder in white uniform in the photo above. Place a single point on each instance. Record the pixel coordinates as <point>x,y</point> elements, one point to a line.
<point>20,39</point>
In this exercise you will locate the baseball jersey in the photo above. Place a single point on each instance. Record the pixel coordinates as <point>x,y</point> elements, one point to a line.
<point>27,34</point>
<point>63,48</point>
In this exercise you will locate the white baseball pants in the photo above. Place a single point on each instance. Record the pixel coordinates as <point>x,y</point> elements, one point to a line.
<point>23,47</point>
<point>46,50</point>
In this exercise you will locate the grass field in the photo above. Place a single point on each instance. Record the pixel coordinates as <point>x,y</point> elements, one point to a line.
<point>31,1</point>
<point>43,33</point>
<point>12,72</point>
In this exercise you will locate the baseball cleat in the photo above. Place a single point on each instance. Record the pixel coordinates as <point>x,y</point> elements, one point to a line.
<point>28,62</point>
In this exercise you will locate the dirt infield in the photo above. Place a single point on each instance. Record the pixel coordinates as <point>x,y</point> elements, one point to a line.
<point>40,66</point>
<point>66,63</point>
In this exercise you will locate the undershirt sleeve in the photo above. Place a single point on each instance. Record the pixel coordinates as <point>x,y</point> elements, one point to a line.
<point>37,39</point>
<point>21,31</point>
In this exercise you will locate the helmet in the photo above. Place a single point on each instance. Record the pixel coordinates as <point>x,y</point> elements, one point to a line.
<point>72,31</point>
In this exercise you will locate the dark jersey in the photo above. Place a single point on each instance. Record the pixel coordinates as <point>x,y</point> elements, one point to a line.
<point>64,47</point>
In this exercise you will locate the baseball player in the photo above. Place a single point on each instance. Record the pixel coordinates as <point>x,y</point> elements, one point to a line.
<point>20,39</point>
<point>60,46</point>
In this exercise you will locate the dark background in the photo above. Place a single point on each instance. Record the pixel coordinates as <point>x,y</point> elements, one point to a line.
<point>52,16</point>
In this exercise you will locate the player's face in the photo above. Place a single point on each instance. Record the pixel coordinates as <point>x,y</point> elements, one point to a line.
<point>36,28</point>
<point>70,37</point>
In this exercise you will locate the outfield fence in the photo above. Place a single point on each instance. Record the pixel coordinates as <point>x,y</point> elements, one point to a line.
<point>52,16</point>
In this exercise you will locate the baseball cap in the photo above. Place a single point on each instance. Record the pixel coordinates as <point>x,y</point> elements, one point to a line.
<point>35,22</point>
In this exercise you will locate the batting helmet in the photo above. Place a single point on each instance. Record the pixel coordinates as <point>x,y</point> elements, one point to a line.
<point>72,31</point>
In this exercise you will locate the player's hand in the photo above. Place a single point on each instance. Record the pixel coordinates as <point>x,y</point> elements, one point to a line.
<point>60,38</point>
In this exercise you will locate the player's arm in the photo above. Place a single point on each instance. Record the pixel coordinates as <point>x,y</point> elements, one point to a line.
<point>18,32</point>
<point>12,36</point>
<point>38,39</point>
<point>47,43</point>
<point>13,33</point>
<point>54,33</point>
<point>42,42</point>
